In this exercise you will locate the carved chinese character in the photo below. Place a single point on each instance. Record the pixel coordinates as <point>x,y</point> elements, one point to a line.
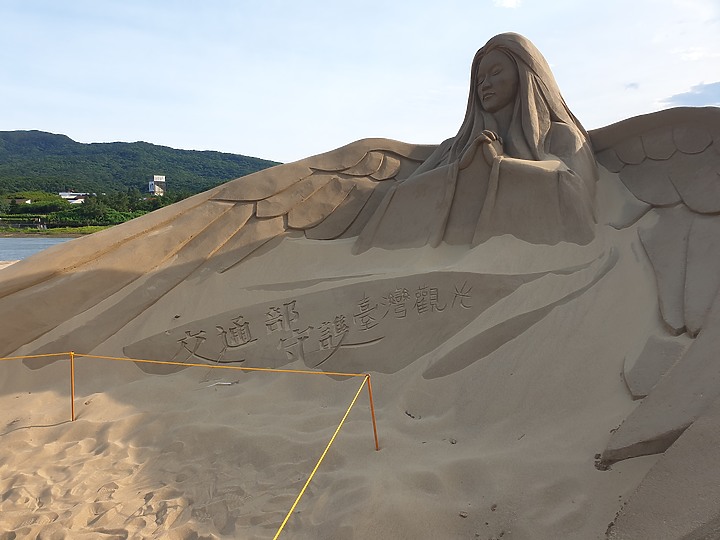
<point>365,316</point>
<point>396,299</point>
<point>273,319</point>
<point>435,300</point>
<point>326,336</point>
<point>294,346</point>
<point>340,325</point>
<point>236,335</point>
<point>421,300</point>
<point>198,338</point>
<point>462,295</point>
<point>281,318</point>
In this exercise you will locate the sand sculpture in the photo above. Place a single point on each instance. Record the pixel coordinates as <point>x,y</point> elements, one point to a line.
<point>521,247</point>
<point>517,126</point>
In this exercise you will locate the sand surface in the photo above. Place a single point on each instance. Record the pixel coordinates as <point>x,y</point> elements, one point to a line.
<point>180,455</point>
<point>499,447</point>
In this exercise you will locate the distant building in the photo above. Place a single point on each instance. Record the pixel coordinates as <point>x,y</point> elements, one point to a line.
<point>156,186</point>
<point>72,197</point>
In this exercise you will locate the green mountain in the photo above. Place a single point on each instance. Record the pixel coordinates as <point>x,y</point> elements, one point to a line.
<point>40,161</point>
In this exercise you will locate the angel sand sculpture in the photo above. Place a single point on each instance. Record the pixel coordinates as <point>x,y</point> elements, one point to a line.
<point>537,303</point>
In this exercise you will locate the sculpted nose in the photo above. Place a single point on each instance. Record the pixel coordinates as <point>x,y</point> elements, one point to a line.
<point>485,83</point>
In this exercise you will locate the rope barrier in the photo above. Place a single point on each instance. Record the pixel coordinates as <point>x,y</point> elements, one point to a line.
<point>317,465</point>
<point>34,356</point>
<point>239,368</point>
<point>366,379</point>
<point>242,368</point>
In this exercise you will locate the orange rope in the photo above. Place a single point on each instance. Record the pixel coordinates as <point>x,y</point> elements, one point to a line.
<point>267,370</point>
<point>240,368</point>
<point>317,465</point>
<point>34,356</point>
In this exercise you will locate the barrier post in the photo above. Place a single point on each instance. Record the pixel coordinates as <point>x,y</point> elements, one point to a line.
<point>372,412</point>
<point>72,386</point>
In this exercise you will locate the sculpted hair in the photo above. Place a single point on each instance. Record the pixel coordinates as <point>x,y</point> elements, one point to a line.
<point>538,103</point>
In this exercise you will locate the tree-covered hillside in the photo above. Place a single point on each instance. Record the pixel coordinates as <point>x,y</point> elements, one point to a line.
<point>39,161</point>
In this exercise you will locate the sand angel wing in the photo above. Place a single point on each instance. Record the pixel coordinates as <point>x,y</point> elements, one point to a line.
<point>330,195</point>
<point>670,161</point>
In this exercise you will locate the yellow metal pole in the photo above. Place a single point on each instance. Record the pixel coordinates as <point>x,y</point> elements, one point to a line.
<point>72,386</point>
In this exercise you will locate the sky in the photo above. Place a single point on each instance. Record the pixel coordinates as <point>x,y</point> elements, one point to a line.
<point>283,80</point>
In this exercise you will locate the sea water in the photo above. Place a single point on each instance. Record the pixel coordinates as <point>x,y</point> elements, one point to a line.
<point>14,249</point>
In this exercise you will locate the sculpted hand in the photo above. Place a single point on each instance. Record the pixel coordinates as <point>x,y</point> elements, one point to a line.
<point>492,147</point>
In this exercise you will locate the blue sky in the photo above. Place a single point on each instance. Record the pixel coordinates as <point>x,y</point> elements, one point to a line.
<point>285,79</point>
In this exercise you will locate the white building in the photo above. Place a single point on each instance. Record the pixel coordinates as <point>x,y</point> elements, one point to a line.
<point>156,186</point>
<point>72,197</point>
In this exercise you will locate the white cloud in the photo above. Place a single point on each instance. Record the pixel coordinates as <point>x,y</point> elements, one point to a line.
<point>691,54</point>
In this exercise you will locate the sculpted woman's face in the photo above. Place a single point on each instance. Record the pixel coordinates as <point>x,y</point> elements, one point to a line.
<point>497,81</point>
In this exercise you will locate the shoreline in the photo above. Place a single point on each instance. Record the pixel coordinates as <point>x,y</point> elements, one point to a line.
<point>39,235</point>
